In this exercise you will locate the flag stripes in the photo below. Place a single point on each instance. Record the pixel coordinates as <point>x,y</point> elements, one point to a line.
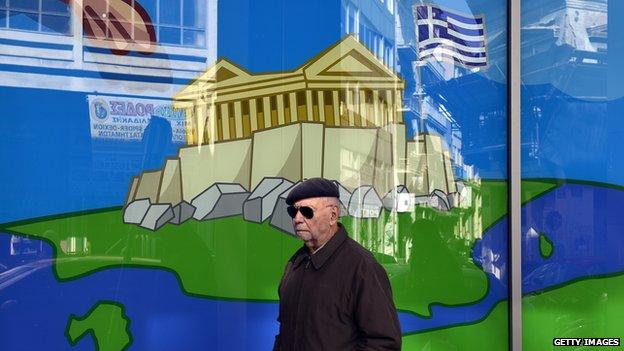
<point>450,36</point>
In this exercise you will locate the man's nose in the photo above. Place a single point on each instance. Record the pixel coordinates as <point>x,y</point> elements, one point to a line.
<point>298,218</point>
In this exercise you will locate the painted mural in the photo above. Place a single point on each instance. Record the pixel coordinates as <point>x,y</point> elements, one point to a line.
<point>148,147</point>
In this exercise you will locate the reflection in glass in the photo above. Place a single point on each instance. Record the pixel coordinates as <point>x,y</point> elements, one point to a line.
<point>169,35</point>
<point>170,12</point>
<point>194,38</point>
<point>194,13</point>
<point>414,146</point>
<point>571,139</point>
<point>55,24</point>
<point>151,8</point>
<point>23,20</point>
<point>59,6</point>
<point>52,17</point>
<point>32,5</point>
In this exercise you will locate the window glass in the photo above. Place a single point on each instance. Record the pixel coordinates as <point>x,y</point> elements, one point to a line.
<point>53,17</point>
<point>32,5</point>
<point>127,176</point>
<point>150,7</point>
<point>450,154</point>
<point>572,134</point>
<point>169,35</point>
<point>351,20</point>
<point>55,24</point>
<point>23,20</point>
<point>58,6</point>
<point>194,38</point>
<point>170,12</point>
<point>194,13</point>
<point>161,16</point>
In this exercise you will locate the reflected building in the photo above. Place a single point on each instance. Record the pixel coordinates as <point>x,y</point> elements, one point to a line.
<point>427,105</point>
<point>105,46</point>
<point>570,38</point>
<point>373,24</point>
<point>431,104</point>
<point>148,247</point>
<point>20,246</point>
<point>564,42</point>
<point>125,54</point>
<point>76,246</point>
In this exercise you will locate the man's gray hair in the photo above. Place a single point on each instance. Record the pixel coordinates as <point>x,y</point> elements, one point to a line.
<point>333,201</point>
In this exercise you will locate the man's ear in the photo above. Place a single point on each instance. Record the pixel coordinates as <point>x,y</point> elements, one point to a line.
<point>334,216</point>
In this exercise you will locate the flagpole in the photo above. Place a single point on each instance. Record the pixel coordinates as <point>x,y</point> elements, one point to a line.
<point>420,92</point>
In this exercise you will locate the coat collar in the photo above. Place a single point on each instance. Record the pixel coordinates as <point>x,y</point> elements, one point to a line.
<point>321,256</point>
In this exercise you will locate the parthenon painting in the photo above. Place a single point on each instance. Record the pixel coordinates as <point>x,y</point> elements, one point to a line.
<point>338,116</point>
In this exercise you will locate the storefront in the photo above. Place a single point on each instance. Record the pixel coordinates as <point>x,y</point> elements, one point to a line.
<point>148,146</point>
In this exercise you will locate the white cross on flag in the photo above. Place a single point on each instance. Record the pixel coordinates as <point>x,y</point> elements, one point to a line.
<point>444,35</point>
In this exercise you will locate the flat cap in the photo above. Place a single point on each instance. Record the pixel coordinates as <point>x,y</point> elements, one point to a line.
<point>313,187</point>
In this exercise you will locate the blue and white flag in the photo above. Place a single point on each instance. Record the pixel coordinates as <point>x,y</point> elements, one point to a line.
<point>444,35</point>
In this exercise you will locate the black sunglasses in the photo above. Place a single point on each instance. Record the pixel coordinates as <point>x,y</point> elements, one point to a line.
<point>306,211</point>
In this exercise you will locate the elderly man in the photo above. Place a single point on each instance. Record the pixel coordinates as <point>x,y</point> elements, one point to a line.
<point>333,295</point>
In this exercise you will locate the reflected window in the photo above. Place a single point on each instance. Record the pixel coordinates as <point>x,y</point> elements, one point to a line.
<point>170,22</point>
<point>375,42</point>
<point>48,16</point>
<point>390,5</point>
<point>182,22</point>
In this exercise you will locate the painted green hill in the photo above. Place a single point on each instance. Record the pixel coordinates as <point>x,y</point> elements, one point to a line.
<point>429,260</point>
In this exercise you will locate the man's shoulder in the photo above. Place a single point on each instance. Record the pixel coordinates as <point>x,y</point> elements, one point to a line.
<point>299,252</point>
<point>362,263</point>
<point>359,253</point>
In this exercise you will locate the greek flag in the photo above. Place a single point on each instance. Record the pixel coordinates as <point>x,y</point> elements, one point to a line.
<point>443,35</point>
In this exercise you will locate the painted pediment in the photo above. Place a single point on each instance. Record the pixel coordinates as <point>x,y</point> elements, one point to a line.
<point>223,72</point>
<point>347,60</point>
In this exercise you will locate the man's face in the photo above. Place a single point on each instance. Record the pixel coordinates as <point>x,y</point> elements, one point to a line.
<point>315,228</point>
